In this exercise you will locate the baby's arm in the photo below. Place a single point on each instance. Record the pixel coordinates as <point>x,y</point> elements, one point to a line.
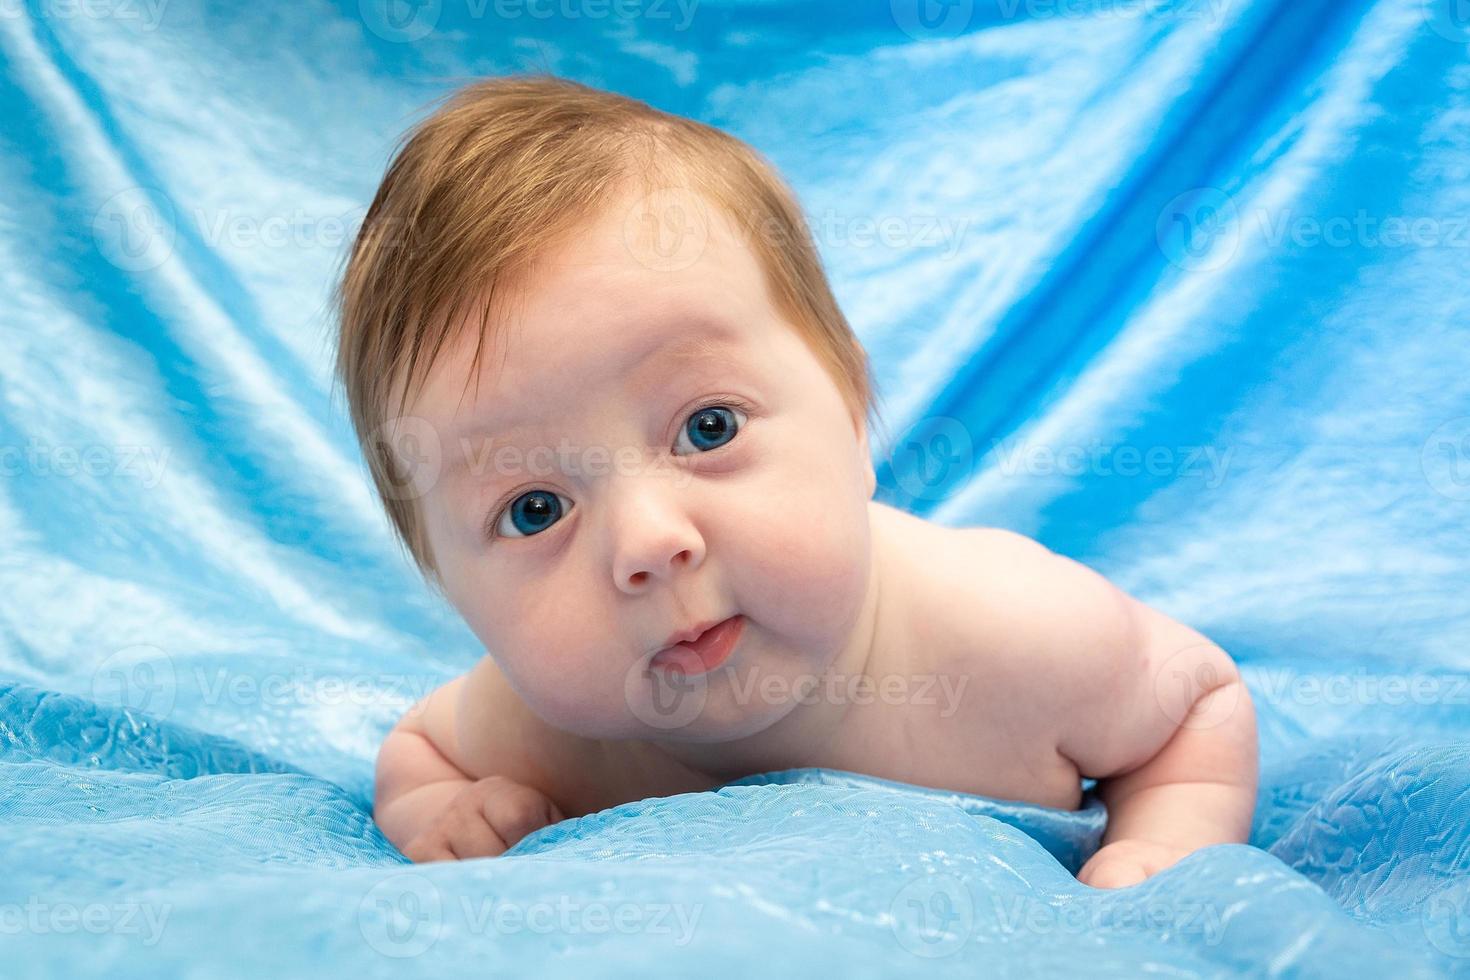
<point>428,799</point>
<point>1198,784</point>
<point>1144,704</point>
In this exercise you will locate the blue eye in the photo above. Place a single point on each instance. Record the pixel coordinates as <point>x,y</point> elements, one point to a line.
<point>530,513</point>
<point>710,428</point>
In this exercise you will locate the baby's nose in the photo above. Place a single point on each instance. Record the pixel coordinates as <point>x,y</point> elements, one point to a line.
<point>652,542</point>
<point>637,579</point>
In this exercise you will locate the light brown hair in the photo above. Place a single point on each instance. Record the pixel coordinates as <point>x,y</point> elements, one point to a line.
<point>492,179</point>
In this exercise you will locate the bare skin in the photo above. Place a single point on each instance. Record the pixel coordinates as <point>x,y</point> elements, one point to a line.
<point>971,659</point>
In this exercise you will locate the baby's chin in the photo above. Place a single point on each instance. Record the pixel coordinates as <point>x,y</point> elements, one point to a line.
<point>723,705</point>
<point>710,729</point>
<point>735,701</point>
<point>719,723</point>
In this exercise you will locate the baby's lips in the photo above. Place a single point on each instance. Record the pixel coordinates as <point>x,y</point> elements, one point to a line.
<point>678,659</point>
<point>704,654</point>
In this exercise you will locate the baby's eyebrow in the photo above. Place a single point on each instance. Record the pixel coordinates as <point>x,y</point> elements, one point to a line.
<point>692,348</point>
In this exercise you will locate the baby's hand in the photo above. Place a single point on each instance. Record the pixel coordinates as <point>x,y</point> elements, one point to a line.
<point>1127,862</point>
<point>486,818</point>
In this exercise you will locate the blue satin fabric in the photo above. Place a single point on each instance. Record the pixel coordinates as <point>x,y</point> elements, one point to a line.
<point>1176,288</point>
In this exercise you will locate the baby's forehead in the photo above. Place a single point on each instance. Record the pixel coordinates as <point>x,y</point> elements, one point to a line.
<point>579,365</point>
<point>653,236</point>
<point>598,303</point>
<point>591,314</point>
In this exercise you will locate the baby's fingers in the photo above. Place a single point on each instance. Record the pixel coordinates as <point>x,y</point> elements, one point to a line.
<point>1112,874</point>
<point>422,849</point>
<point>470,835</point>
<point>516,811</point>
<point>460,834</point>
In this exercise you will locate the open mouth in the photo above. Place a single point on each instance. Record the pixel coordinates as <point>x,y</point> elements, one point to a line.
<point>705,652</point>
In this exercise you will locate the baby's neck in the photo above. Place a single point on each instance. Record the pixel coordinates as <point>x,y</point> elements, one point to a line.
<point>803,735</point>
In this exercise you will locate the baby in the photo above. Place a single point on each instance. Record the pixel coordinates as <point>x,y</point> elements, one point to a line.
<point>617,418</point>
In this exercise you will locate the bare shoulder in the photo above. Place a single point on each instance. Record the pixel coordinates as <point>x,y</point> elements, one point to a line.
<point>975,543</point>
<point>1023,579</point>
<point>1003,572</point>
<point>1012,621</point>
<point>1084,657</point>
<point>1037,625</point>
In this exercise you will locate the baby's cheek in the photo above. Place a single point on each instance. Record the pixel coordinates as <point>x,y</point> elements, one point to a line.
<point>549,650</point>
<point>558,687</point>
<point>806,557</point>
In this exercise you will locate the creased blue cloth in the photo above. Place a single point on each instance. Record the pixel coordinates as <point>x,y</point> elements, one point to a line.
<point>1177,288</point>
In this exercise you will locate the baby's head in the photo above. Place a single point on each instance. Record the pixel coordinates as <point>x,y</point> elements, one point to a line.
<point>606,395</point>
